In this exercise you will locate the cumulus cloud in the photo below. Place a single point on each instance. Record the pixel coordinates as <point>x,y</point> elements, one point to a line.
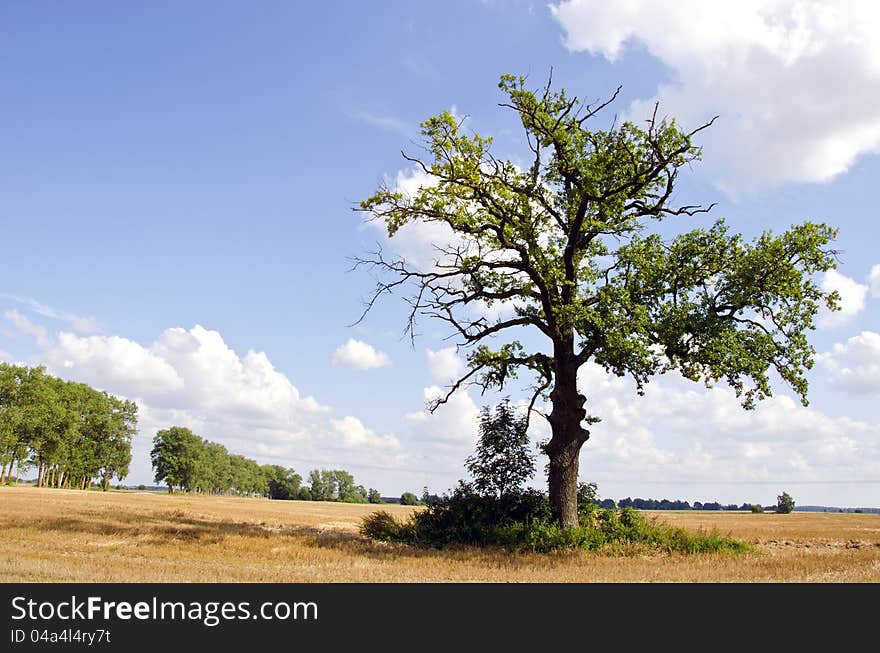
<point>874,281</point>
<point>854,366</point>
<point>796,83</point>
<point>851,303</point>
<point>192,378</point>
<point>113,362</point>
<point>25,326</point>
<point>359,355</point>
<point>351,431</point>
<point>440,441</point>
<point>445,365</point>
<point>680,440</point>
<point>702,441</point>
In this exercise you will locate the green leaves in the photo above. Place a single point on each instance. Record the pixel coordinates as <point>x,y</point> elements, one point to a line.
<point>565,238</point>
<point>715,308</point>
<point>502,461</point>
<point>70,426</point>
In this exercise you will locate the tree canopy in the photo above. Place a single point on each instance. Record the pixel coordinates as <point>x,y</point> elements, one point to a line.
<point>784,503</point>
<point>69,431</point>
<point>565,244</point>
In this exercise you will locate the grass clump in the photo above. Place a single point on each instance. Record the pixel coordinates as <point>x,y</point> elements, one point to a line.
<point>522,521</point>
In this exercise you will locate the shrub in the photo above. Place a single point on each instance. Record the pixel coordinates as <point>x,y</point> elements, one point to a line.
<point>587,498</point>
<point>784,503</point>
<point>756,507</point>
<point>409,499</point>
<point>522,521</point>
<point>382,525</point>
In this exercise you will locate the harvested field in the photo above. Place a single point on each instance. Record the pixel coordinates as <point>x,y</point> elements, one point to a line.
<point>75,536</point>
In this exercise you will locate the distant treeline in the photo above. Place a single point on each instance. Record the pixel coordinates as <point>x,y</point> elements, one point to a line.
<point>71,433</point>
<point>666,504</point>
<point>186,462</point>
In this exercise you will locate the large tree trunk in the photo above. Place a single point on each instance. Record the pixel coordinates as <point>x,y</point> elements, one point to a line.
<point>565,444</point>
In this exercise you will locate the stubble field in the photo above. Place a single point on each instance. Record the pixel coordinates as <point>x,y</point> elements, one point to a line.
<point>74,536</point>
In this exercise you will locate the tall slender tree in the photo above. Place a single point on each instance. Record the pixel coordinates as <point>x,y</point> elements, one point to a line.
<point>502,461</point>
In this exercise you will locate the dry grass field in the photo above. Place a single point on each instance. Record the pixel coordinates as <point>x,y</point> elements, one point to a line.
<point>73,536</point>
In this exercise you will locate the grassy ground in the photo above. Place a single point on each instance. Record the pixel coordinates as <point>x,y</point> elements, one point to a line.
<point>73,536</point>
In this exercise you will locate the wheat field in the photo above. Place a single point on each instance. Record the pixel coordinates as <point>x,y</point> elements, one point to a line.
<point>76,536</point>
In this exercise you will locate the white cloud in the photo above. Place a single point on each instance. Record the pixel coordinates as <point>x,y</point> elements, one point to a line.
<point>25,326</point>
<point>874,281</point>
<point>441,440</point>
<point>851,303</point>
<point>383,121</point>
<point>445,365</point>
<point>79,323</point>
<point>111,362</point>
<point>192,378</point>
<point>705,445</point>
<point>352,432</point>
<point>416,241</point>
<point>796,83</point>
<point>359,355</point>
<point>854,366</point>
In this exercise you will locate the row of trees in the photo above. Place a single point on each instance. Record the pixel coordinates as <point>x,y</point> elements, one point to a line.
<point>71,433</point>
<point>185,461</point>
<point>785,504</point>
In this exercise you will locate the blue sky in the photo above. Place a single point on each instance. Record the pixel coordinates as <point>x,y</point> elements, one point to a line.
<point>176,193</point>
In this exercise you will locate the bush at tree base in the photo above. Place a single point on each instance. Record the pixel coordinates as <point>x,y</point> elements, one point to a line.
<point>522,521</point>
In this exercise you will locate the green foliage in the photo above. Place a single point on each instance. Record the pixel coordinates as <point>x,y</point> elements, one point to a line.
<point>382,525</point>
<point>175,457</point>
<point>784,503</point>
<point>502,461</point>
<point>587,498</point>
<point>69,431</point>
<point>335,485</point>
<point>409,499</point>
<point>185,461</point>
<point>757,508</point>
<point>373,496</point>
<point>284,483</point>
<point>522,521</point>
<point>567,238</point>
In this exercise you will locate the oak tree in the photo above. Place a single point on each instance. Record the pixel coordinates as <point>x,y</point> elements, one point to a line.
<point>566,243</point>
